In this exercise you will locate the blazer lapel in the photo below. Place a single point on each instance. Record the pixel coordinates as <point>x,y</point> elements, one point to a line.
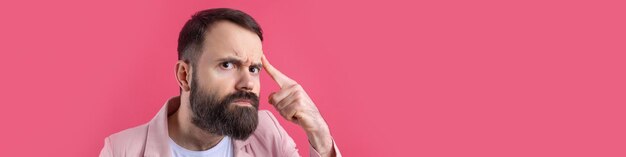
<point>157,138</point>
<point>242,148</point>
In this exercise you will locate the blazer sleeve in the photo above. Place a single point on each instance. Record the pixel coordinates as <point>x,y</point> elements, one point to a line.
<point>314,153</point>
<point>288,146</point>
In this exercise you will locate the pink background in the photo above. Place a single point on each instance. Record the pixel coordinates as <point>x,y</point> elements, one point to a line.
<point>484,78</point>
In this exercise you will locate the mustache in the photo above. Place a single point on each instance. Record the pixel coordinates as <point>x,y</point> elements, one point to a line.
<point>243,95</point>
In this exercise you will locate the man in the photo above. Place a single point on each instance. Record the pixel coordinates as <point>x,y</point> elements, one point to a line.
<point>220,59</point>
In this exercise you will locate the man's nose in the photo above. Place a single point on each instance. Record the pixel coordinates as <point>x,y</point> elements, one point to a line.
<point>245,82</point>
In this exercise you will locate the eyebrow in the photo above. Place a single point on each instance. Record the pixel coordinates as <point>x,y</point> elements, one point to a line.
<point>238,62</point>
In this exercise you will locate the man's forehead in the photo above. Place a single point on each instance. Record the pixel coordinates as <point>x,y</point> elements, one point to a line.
<point>227,39</point>
<point>246,56</point>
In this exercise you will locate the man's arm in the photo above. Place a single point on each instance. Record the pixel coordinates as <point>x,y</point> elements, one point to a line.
<point>106,150</point>
<point>295,105</point>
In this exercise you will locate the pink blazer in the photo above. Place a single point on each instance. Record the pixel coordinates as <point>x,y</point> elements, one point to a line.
<point>151,139</point>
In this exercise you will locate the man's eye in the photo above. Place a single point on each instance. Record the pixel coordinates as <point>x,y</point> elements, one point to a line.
<point>227,65</point>
<point>255,70</point>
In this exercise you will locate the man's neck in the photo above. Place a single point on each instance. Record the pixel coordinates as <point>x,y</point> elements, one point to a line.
<point>187,135</point>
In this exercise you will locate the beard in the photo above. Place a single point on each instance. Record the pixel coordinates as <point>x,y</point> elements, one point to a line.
<point>220,116</point>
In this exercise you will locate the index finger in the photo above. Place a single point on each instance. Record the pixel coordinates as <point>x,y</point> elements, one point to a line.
<point>280,78</point>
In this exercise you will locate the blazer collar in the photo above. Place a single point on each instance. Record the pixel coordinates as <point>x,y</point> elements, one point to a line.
<point>241,148</point>
<point>158,136</point>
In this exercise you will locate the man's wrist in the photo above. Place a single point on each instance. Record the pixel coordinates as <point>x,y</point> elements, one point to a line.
<point>321,140</point>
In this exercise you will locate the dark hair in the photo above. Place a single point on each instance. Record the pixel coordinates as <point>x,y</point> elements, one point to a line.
<point>191,38</point>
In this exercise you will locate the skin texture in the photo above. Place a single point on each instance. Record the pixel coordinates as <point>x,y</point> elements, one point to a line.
<point>227,41</point>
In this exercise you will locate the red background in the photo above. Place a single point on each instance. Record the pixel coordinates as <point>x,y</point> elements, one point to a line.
<point>419,78</point>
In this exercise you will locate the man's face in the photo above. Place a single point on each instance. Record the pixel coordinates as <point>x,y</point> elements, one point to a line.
<point>225,81</point>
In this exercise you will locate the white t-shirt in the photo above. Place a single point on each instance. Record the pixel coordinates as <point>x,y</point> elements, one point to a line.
<point>222,149</point>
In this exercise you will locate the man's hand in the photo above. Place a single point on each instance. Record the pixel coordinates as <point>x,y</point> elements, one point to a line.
<point>296,106</point>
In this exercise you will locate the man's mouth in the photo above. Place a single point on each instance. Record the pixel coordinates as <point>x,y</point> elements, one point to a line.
<point>242,102</point>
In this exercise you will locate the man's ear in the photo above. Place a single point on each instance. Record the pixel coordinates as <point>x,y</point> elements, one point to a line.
<point>183,75</point>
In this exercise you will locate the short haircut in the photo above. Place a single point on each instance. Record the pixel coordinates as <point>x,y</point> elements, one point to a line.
<point>191,38</point>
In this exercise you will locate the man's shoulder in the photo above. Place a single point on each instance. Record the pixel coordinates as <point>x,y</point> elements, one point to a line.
<point>270,137</point>
<point>130,139</point>
<point>267,121</point>
<point>268,127</point>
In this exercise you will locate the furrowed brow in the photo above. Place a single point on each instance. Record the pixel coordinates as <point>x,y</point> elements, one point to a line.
<point>231,60</point>
<point>258,65</point>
